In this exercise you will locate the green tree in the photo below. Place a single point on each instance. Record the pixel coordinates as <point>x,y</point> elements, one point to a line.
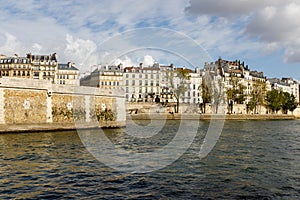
<point>235,94</point>
<point>274,100</point>
<point>288,102</point>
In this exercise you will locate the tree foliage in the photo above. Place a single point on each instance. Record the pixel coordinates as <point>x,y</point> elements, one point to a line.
<point>212,91</point>
<point>278,100</point>
<point>235,94</point>
<point>257,95</point>
<point>182,87</point>
<point>205,94</point>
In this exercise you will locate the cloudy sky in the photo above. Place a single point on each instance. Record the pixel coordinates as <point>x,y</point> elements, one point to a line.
<point>265,34</point>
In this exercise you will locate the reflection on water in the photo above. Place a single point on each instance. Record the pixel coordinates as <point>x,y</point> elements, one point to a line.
<point>252,159</point>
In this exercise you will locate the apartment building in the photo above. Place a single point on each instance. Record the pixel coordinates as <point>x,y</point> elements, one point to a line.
<point>43,67</point>
<point>288,85</point>
<point>68,74</point>
<point>107,76</point>
<point>142,84</point>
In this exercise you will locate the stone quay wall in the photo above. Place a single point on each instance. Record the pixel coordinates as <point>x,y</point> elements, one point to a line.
<point>33,105</point>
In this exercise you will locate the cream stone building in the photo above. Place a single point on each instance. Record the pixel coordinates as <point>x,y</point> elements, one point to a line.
<point>68,74</point>
<point>109,77</point>
<point>41,67</point>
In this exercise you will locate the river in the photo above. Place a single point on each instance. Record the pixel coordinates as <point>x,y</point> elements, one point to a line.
<point>251,160</point>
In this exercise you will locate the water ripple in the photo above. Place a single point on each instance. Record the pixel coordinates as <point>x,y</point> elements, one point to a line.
<point>251,160</point>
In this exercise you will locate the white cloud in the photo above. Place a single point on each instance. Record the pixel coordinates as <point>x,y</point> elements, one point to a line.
<point>269,24</point>
<point>279,26</point>
<point>126,62</point>
<point>148,61</point>
<point>80,51</point>
<point>78,30</point>
<point>11,45</point>
<point>36,48</point>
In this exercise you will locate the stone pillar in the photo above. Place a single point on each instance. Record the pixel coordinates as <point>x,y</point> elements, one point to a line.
<point>87,101</point>
<point>120,107</point>
<point>2,104</point>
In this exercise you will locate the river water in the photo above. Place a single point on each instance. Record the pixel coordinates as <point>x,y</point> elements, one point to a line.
<point>251,160</point>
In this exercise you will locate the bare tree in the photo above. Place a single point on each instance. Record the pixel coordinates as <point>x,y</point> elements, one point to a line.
<point>178,90</point>
<point>258,95</point>
<point>216,90</point>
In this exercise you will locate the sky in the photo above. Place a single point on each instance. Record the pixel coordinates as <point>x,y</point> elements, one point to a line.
<point>264,34</point>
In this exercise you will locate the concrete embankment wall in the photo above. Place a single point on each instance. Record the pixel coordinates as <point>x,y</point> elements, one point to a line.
<point>27,104</point>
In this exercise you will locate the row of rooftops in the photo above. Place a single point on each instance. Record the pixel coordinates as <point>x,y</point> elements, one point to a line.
<point>234,67</point>
<point>133,69</point>
<point>283,81</point>
<point>33,58</point>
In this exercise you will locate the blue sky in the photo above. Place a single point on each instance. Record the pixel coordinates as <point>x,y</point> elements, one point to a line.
<point>264,34</point>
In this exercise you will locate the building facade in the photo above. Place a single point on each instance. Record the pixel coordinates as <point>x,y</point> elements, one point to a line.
<point>108,76</point>
<point>41,67</point>
<point>68,74</point>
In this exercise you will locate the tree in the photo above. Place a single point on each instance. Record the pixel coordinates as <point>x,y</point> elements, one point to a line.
<point>257,94</point>
<point>218,93</point>
<point>213,90</point>
<point>182,75</point>
<point>206,96</point>
<point>288,102</point>
<point>277,100</point>
<point>292,103</point>
<point>235,94</point>
<point>274,100</point>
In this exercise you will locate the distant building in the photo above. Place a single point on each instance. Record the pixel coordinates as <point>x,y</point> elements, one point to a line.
<point>142,84</point>
<point>42,67</point>
<point>237,72</point>
<point>15,66</point>
<point>108,76</point>
<point>288,85</point>
<point>68,74</point>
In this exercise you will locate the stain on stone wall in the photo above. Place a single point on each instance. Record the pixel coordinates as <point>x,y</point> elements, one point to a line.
<point>103,109</point>
<point>61,108</point>
<point>67,108</point>
<point>24,106</point>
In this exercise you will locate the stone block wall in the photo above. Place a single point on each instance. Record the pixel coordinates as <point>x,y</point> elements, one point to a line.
<point>23,106</point>
<point>40,102</point>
